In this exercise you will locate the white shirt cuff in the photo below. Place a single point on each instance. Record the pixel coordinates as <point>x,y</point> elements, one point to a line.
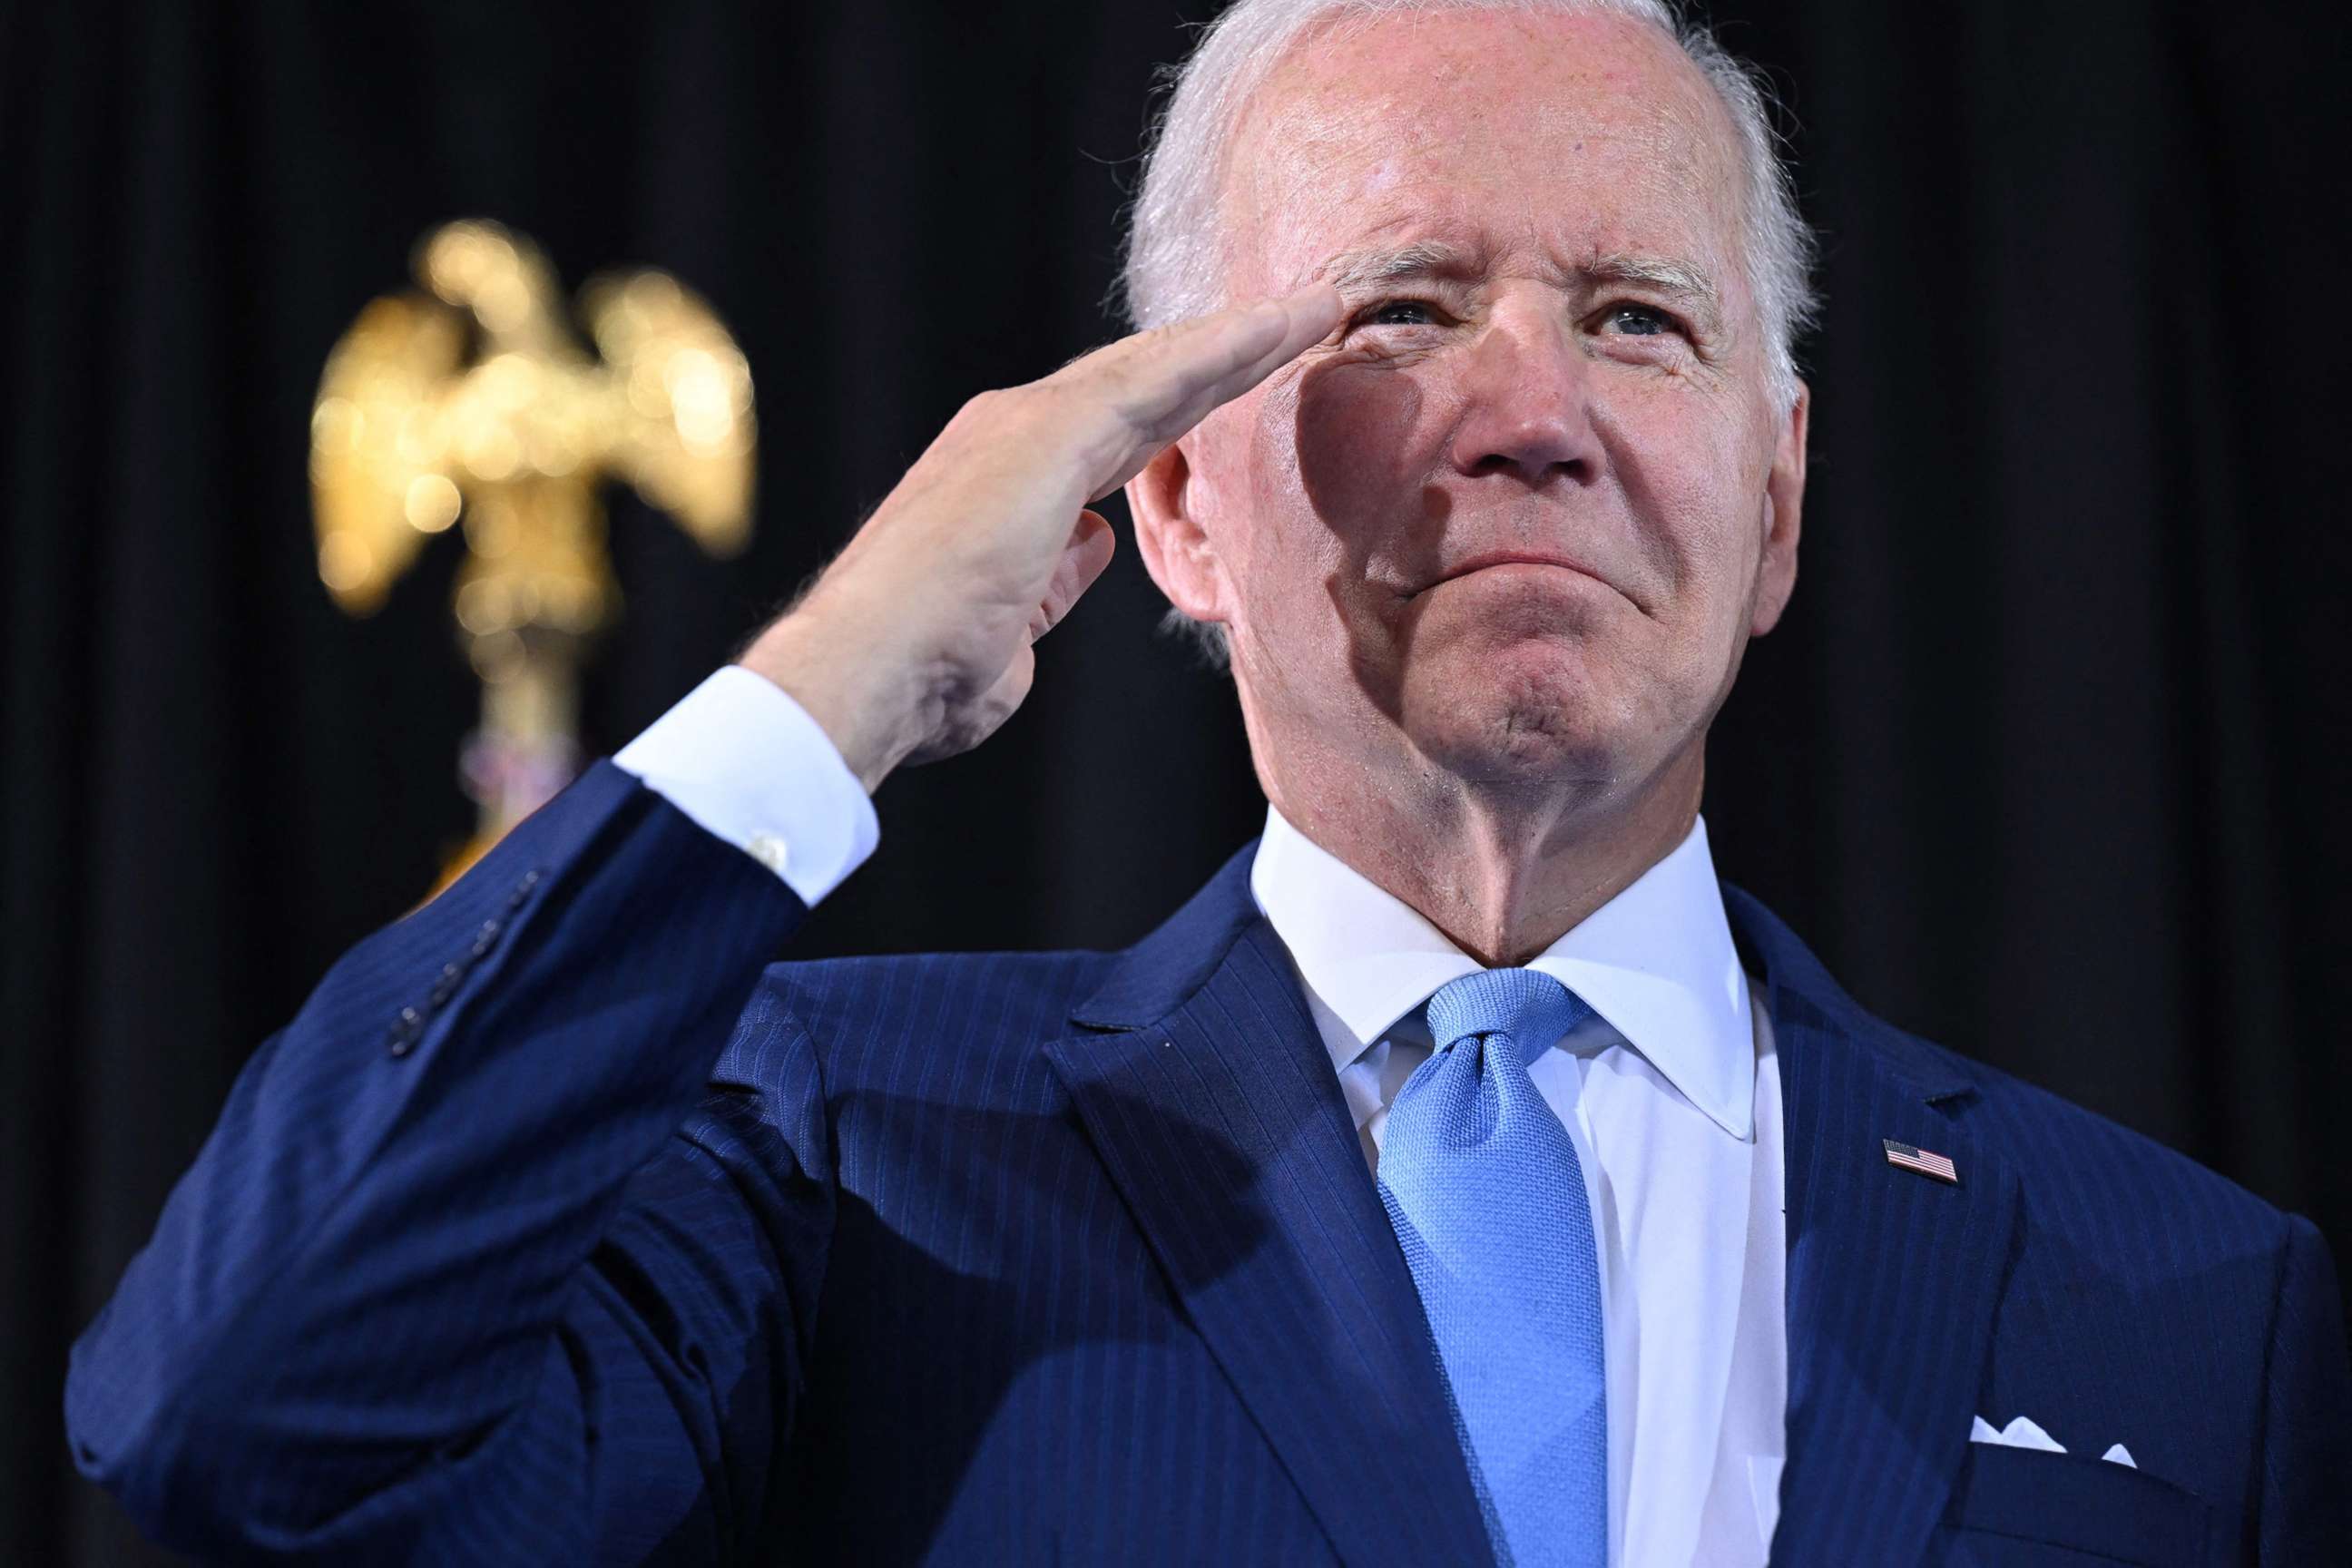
<point>748,764</point>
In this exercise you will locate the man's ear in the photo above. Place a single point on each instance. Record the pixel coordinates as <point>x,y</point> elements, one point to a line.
<point>1784,509</point>
<point>1177,549</point>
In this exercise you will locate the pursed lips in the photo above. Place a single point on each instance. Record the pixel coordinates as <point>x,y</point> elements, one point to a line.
<point>1516,558</point>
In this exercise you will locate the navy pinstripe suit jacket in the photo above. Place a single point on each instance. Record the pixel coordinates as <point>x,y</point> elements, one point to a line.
<point>557,1227</point>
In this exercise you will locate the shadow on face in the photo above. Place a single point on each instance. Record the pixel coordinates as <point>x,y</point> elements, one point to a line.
<point>1385,468</point>
<point>1507,517</point>
<point>1355,430</point>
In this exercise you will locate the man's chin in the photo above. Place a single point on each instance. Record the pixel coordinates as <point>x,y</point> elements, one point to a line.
<point>1520,715</point>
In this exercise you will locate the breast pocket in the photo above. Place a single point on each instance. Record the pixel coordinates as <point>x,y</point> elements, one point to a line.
<point>2025,1507</point>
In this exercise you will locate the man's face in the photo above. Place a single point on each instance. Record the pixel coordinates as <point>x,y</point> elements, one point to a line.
<point>1551,353</point>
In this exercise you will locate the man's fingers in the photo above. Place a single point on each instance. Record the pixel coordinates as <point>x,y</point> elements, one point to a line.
<point>1160,384</point>
<point>978,510</point>
<point>1305,318</point>
<point>1084,557</point>
<point>1167,386</point>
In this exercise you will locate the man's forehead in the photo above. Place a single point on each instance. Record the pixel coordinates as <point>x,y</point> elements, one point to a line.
<point>1353,80</point>
<point>1358,236</point>
<point>1458,115</point>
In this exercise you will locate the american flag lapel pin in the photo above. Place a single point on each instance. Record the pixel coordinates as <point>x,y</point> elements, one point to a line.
<point>1921,1161</point>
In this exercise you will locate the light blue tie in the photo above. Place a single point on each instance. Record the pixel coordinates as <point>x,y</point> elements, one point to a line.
<point>1483,1187</point>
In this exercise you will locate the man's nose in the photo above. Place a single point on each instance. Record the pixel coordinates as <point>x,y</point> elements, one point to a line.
<point>1528,404</point>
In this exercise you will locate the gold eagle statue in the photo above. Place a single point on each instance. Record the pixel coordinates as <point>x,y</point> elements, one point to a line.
<point>472,404</point>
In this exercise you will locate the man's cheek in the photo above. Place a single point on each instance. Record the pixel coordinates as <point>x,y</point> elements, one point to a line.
<point>1355,433</point>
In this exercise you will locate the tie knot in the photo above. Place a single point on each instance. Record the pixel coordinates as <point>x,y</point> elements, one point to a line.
<point>1531,1007</point>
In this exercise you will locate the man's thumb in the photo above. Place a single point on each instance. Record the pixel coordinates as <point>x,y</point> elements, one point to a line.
<point>1083,557</point>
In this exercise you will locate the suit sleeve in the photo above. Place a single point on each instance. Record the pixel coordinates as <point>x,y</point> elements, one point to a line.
<point>476,1266</point>
<point>2306,1485</point>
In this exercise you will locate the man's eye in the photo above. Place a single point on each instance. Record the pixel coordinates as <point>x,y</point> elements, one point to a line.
<point>1639,320</point>
<point>1398,314</point>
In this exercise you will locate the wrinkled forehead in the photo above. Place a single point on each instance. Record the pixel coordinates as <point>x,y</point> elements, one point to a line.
<point>1508,129</point>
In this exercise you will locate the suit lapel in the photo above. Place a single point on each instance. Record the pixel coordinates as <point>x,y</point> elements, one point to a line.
<point>1211,1101</point>
<point>1893,1277</point>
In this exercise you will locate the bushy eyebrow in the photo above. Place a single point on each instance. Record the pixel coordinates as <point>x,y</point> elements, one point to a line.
<point>1681,281</point>
<point>1678,280</point>
<point>1354,270</point>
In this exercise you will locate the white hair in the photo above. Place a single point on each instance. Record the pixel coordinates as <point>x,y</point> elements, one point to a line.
<point>1176,257</point>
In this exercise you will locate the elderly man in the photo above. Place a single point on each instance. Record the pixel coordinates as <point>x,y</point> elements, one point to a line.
<point>1465,1174</point>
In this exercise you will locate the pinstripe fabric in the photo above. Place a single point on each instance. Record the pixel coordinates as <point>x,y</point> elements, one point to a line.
<point>1072,1257</point>
<point>340,1343</point>
<point>1212,1103</point>
<point>2079,1274</point>
<point>999,1372</point>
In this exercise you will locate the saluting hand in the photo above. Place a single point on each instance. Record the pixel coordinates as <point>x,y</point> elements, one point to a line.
<point>916,642</point>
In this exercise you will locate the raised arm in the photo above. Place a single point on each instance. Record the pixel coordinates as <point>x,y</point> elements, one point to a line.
<point>476,1267</point>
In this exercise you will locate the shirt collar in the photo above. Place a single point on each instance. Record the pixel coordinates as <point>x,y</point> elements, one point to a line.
<point>1657,961</point>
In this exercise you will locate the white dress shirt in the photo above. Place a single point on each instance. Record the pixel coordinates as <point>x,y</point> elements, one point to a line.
<point>1672,1094</point>
<point>746,761</point>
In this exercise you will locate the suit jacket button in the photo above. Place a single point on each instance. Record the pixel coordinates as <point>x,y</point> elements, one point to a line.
<point>405,1032</point>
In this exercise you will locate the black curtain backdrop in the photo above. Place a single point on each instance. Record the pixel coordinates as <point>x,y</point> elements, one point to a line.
<point>2046,760</point>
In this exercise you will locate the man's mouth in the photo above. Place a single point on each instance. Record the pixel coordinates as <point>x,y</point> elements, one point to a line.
<point>1492,558</point>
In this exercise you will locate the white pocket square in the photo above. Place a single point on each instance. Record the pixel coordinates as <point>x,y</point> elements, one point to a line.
<point>2022,1433</point>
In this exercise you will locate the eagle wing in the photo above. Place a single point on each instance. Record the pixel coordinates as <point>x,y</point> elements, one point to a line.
<point>681,419</point>
<point>379,455</point>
